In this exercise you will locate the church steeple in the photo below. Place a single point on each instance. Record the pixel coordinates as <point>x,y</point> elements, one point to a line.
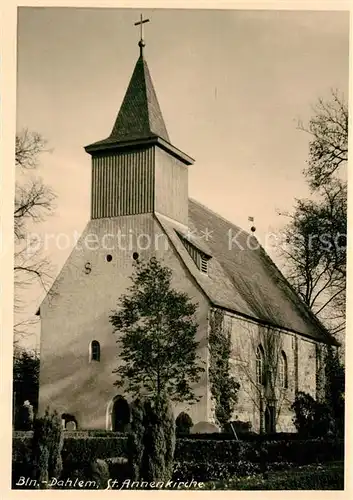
<point>136,169</point>
<point>140,116</point>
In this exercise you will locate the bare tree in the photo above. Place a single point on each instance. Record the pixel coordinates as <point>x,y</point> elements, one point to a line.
<point>263,371</point>
<point>33,202</point>
<point>328,148</point>
<point>315,253</point>
<point>315,238</point>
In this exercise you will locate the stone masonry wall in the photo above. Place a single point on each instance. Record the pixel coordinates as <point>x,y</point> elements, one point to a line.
<point>246,336</point>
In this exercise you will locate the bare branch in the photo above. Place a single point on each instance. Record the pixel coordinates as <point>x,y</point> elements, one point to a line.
<point>29,146</point>
<point>328,149</point>
<point>33,202</point>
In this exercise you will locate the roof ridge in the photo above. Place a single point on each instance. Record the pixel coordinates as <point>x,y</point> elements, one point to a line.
<point>153,106</point>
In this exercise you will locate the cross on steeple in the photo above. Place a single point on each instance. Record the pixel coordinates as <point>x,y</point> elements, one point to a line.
<point>140,23</point>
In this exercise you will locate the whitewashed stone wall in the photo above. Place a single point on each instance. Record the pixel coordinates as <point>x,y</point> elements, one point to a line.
<point>246,336</point>
<point>77,312</point>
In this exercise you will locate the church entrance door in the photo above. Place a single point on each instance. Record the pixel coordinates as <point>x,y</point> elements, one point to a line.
<point>120,414</point>
<point>270,419</point>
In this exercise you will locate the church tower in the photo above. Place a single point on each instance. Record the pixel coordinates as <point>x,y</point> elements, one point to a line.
<point>139,184</point>
<point>136,170</point>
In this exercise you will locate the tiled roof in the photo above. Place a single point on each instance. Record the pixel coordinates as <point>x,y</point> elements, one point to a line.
<point>243,280</point>
<point>140,116</point>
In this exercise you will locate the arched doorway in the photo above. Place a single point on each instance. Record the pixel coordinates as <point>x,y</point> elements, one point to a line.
<point>118,414</point>
<point>270,419</point>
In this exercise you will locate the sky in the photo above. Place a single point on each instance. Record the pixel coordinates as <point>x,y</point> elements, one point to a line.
<point>231,85</point>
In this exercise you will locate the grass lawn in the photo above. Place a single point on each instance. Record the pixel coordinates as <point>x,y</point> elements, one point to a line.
<point>328,476</point>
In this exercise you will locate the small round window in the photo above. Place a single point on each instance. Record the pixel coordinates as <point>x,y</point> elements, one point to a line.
<point>135,256</point>
<point>109,258</point>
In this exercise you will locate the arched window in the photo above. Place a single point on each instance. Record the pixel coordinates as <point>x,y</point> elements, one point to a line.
<point>95,351</point>
<point>283,370</point>
<point>260,365</point>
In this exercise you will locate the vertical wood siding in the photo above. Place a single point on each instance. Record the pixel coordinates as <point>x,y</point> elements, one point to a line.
<point>123,184</point>
<point>171,184</point>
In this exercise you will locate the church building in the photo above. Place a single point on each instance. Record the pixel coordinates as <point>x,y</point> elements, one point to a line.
<point>140,207</point>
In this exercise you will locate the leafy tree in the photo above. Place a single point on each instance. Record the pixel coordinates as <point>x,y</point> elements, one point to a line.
<point>25,380</point>
<point>47,443</point>
<point>335,387</point>
<point>156,331</point>
<point>25,417</point>
<point>33,202</point>
<point>224,386</point>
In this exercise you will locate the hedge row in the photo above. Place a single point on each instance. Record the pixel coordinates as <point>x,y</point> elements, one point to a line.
<point>299,452</point>
<point>75,449</point>
<point>243,436</point>
<point>81,450</point>
<point>87,449</point>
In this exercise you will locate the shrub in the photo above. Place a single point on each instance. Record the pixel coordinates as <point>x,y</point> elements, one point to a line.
<point>135,445</point>
<point>47,443</point>
<point>159,440</point>
<point>151,440</point>
<point>248,436</point>
<point>335,388</point>
<point>168,426</point>
<point>21,448</point>
<point>312,418</point>
<point>190,450</point>
<point>183,423</point>
<point>99,472</point>
<point>316,450</point>
<point>239,426</point>
<point>155,445</point>
<point>25,417</point>
<point>83,450</point>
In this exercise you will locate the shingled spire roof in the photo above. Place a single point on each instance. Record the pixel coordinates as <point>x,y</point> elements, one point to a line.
<point>140,116</point>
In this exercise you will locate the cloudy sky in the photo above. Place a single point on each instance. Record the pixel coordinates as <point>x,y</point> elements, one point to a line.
<point>231,86</point>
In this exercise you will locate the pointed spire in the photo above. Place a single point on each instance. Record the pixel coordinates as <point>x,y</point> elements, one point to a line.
<point>140,116</point>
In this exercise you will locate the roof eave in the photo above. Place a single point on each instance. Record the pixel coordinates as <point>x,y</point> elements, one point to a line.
<point>329,339</point>
<point>100,147</point>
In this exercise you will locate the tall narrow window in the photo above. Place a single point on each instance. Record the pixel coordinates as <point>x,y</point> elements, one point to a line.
<point>260,365</point>
<point>95,351</point>
<point>283,370</point>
